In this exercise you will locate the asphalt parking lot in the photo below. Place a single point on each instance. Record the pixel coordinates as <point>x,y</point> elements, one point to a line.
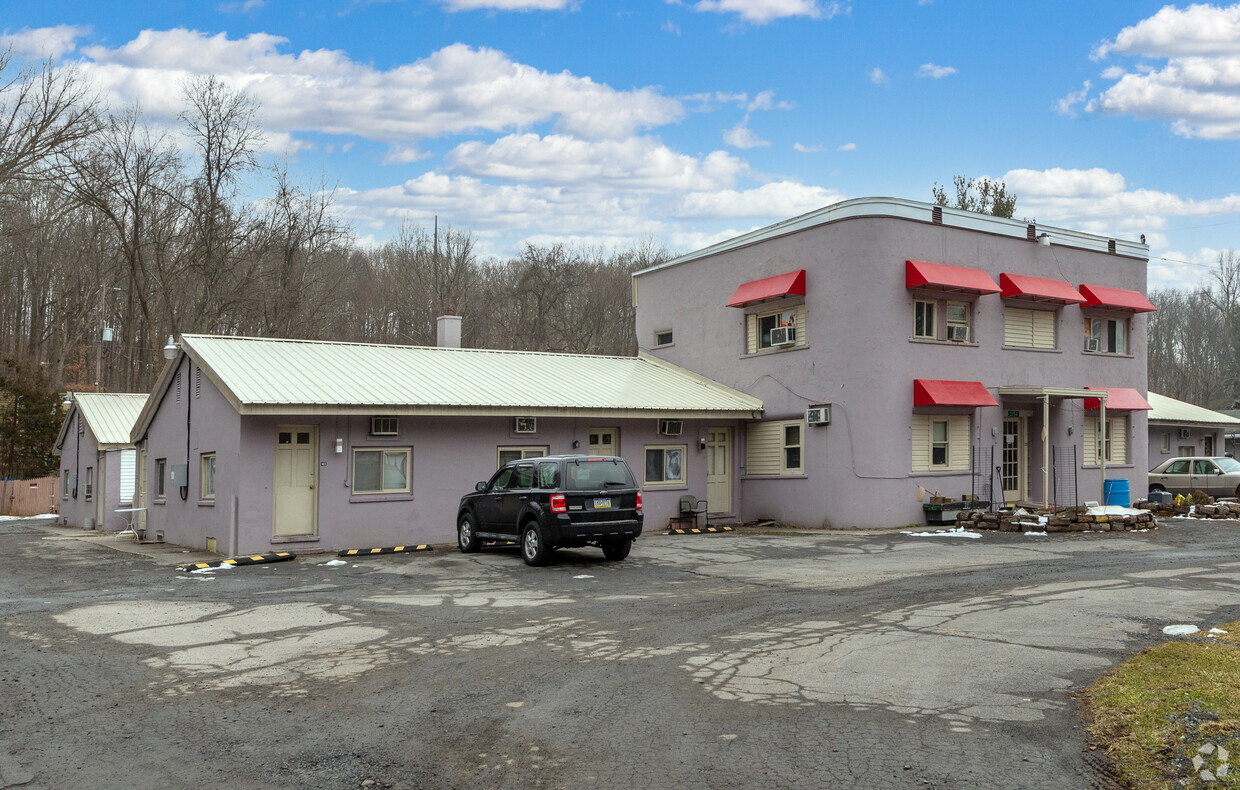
<point>727,661</point>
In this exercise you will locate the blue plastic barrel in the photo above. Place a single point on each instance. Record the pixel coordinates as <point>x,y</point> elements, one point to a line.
<point>1115,492</point>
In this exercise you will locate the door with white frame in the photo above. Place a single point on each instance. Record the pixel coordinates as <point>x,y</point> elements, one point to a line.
<point>604,441</point>
<point>719,470</point>
<point>295,510</point>
<point>1015,456</point>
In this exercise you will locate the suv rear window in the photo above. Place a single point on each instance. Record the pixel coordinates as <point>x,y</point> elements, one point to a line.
<point>584,475</point>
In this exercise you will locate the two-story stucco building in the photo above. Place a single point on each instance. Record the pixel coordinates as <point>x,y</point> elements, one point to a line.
<point>901,350</point>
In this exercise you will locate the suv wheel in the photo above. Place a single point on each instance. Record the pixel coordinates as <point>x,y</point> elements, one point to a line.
<point>533,549</point>
<point>616,550</point>
<point>467,535</point>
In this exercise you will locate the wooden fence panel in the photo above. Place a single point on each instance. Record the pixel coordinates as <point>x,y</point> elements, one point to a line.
<point>29,497</point>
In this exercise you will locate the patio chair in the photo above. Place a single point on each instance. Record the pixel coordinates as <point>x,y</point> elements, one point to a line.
<point>691,506</point>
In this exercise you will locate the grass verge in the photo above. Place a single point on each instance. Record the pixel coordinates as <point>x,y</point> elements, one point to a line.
<point>1156,712</point>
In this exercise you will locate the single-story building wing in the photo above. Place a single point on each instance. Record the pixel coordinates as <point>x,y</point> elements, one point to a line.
<point>97,459</point>
<point>1179,429</point>
<point>249,444</point>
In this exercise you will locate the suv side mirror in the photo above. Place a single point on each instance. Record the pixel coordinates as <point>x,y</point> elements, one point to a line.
<point>480,486</point>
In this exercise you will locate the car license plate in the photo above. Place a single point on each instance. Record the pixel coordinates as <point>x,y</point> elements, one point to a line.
<point>599,504</point>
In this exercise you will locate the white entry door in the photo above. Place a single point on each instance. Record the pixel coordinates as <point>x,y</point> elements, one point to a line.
<point>719,470</point>
<point>604,441</point>
<point>296,480</point>
<point>1015,458</point>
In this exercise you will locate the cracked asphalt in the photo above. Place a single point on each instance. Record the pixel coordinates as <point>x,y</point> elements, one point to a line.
<point>819,660</point>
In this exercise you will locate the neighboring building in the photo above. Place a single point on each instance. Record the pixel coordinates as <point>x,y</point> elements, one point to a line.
<point>247,445</point>
<point>1181,429</point>
<point>97,459</point>
<point>952,353</point>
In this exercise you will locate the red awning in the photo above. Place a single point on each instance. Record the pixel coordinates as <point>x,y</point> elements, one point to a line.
<point>941,277</point>
<point>1115,299</point>
<point>932,392</point>
<point>790,284</point>
<point>1125,398</point>
<point>1038,289</point>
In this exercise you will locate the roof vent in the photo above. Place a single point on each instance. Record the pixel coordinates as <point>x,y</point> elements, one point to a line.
<point>1031,232</point>
<point>1044,239</point>
<point>936,215</point>
<point>1111,246</point>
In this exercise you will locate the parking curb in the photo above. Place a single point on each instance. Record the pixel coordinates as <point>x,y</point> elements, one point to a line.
<point>249,559</point>
<point>384,550</point>
<point>702,531</point>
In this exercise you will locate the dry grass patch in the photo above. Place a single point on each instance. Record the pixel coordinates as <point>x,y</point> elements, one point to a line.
<point>1155,713</point>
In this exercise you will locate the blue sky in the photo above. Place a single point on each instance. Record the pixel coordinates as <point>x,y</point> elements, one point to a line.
<point>692,121</point>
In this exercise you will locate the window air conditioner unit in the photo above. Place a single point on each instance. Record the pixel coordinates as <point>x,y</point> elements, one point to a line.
<point>1091,344</point>
<point>818,415</point>
<point>783,335</point>
<point>525,425</point>
<point>1183,433</point>
<point>960,334</point>
<point>670,427</point>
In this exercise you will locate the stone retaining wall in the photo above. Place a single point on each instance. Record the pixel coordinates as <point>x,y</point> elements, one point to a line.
<point>1222,509</point>
<point>1059,520</point>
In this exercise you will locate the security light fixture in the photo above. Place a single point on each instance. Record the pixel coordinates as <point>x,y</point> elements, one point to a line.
<point>170,350</point>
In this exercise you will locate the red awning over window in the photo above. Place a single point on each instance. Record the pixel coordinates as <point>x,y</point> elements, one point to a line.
<point>932,392</point>
<point>1038,289</point>
<point>1125,398</point>
<point>941,277</point>
<point>790,284</point>
<point>1115,299</point>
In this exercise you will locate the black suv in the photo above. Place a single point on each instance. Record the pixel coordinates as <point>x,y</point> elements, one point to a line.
<point>556,501</point>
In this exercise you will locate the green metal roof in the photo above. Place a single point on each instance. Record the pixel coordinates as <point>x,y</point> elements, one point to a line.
<point>109,416</point>
<point>1169,411</point>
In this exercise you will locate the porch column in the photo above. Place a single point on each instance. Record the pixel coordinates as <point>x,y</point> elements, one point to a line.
<point>1102,436</point>
<point>1046,451</point>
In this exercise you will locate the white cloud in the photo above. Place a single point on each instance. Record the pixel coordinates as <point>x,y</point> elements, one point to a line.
<point>638,163</point>
<point>741,136</point>
<point>878,77</point>
<point>807,149</point>
<point>847,147</point>
<point>1065,105</point>
<point>241,7</point>
<point>934,71</point>
<point>760,12</point>
<point>509,5</point>
<point>778,199</point>
<point>1198,88</point>
<point>1061,182</point>
<point>44,42</point>
<point>1196,30</point>
<point>456,89</point>
<point>671,27</point>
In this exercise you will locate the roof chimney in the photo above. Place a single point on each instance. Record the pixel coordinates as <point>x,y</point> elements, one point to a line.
<point>448,331</point>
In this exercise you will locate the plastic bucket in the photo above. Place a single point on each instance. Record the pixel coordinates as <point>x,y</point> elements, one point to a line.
<point>1115,492</point>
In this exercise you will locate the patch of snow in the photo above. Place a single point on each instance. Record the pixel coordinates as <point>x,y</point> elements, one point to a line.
<point>1216,631</point>
<point>19,518</point>
<point>1115,510</point>
<point>583,576</point>
<point>958,532</point>
<point>334,562</point>
<point>1042,534</point>
<point>1180,630</point>
<point>215,568</point>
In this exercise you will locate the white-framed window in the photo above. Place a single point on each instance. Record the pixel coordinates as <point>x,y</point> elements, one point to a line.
<point>384,426</point>
<point>1024,328</point>
<point>787,324</point>
<point>665,465</point>
<point>924,324</point>
<point>663,337</point>
<point>506,454</point>
<point>525,425</point>
<point>1106,335</point>
<point>941,443</point>
<point>1113,441</point>
<point>208,476</point>
<point>774,448</point>
<point>1166,441</point>
<point>161,477</point>
<point>64,485</point>
<point>957,314</point>
<point>90,482</point>
<point>381,471</point>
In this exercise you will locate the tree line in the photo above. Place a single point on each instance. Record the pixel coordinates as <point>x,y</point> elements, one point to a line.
<point>109,220</point>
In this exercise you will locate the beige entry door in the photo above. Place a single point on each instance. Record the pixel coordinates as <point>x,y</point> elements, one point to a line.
<point>604,441</point>
<point>1015,457</point>
<point>719,470</point>
<point>296,480</point>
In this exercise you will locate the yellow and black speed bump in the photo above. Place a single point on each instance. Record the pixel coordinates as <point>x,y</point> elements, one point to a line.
<point>696,531</point>
<point>249,559</point>
<point>384,550</point>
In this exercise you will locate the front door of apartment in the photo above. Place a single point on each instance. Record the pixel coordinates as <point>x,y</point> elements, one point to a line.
<point>101,487</point>
<point>296,480</point>
<point>719,470</point>
<point>1207,445</point>
<point>604,441</point>
<point>1015,457</point>
<point>140,516</point>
